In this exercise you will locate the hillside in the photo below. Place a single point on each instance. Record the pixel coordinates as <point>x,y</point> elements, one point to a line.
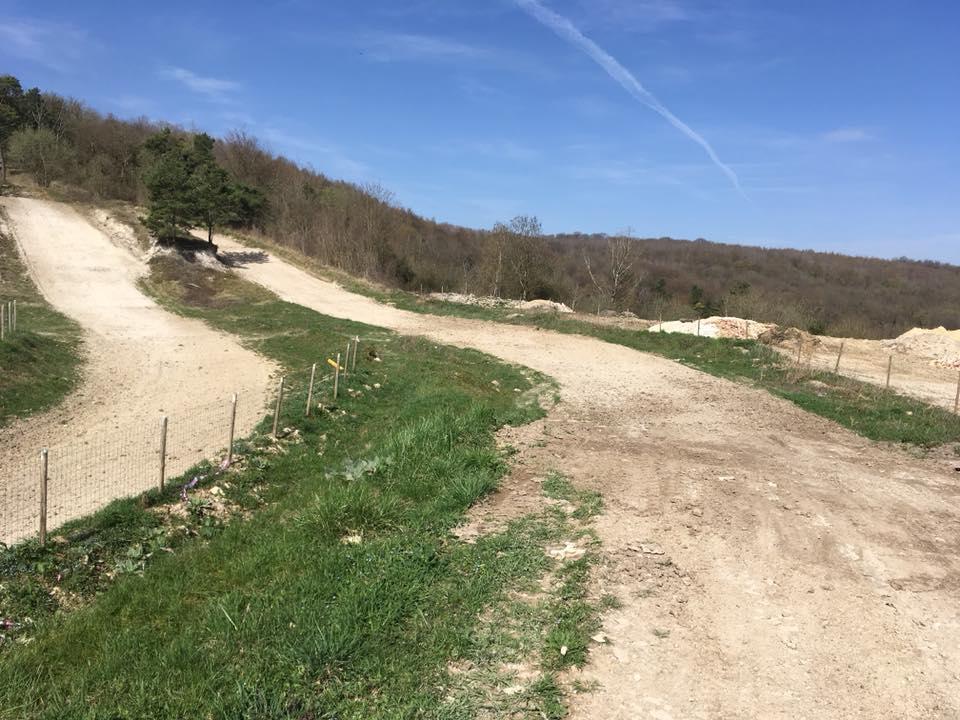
<point>361,230</point>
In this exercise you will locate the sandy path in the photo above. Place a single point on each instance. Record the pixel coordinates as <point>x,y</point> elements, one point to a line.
<point>142,362</point>
<point>805,572</point>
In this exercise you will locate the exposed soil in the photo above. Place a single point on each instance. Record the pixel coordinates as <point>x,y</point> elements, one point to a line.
<point>770,564</point>
<point>142,361</point>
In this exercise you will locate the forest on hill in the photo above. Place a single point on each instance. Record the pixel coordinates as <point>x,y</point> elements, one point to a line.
<point>362,230</point>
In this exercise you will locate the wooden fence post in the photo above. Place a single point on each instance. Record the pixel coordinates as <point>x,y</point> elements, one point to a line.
<point>313,374</point>
<point>233,426</point>
<point>336,378</point>
<point>44,464</point>
<point>276,412</point>
<point>836,368</point>
<point>889,370</point>
<point>14,315</point>
<point>346,363</point>
<point>356,344</point>
<point>163,451</point>
<point>956,402</point>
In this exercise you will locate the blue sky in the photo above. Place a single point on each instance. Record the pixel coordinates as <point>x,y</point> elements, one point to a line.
<point>839,119</point>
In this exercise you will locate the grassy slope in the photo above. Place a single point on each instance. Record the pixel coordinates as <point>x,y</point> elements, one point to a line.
<point>41,362</point>
<point>275,616</point>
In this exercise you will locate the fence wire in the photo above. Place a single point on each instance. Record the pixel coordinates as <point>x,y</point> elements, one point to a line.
<point>111,463</point>
<point>84,476</point>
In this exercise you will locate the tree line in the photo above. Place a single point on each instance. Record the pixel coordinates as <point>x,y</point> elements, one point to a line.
<point>189,180</point>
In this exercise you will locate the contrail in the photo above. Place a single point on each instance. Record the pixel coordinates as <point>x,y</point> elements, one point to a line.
<point>568,31</point>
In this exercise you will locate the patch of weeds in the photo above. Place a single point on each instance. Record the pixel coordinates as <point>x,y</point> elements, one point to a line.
<point>609,601</point>
<point>527,638</point>
<point>589,503</point>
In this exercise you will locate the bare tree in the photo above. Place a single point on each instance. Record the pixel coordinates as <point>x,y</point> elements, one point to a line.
<point>619,279</point>
<point>526,253</point>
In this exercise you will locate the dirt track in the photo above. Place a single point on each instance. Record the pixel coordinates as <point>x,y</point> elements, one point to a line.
<point>805,572</point>
<point>142,361</point>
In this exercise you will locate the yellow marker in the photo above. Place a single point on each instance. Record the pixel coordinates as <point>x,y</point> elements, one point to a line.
<point>333,364</point>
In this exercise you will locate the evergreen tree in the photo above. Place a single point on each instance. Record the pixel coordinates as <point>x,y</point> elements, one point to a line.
<point>172,204</point>
<point>214,200</point>
<point>11,118</point>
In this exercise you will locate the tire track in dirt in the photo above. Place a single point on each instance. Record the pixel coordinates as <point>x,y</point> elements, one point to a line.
<point>142,361</point>
<point>770,563</point>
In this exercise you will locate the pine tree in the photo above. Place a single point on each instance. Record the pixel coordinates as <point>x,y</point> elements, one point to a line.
<point>213,196</point>
<point>172,205</point>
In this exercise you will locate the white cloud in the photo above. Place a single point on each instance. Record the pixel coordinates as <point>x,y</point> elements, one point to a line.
<point>389,47</point>
<point>57,46</point>
<point>848,135</point>
<point>212,88</point>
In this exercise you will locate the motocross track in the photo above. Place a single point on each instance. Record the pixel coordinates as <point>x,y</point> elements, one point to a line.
<point>770,564</point>
<point>141,362</point>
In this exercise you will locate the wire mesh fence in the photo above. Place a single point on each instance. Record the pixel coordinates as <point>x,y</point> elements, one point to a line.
<point>83,476</point>
<point>922,378</point>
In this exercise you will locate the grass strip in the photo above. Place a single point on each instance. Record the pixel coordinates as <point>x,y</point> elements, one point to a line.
<point>41,362</point>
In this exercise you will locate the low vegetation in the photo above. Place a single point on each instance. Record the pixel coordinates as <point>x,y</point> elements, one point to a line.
<point>318,577</point>
<point>42,360</point>
<point>362,230</point>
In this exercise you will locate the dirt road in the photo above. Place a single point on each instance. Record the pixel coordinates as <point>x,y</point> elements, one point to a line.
<point>770,564</point>
<point>142,361</point>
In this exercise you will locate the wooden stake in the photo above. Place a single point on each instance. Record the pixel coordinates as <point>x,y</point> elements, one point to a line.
<point>44,458</point>
<point>276,412</point>
<point>14,315</point>
<point>233,426</point>
<point>956,403</point>
<point>889,370</point>
<point>163,451</point>
<point>836,368</point>
<point>336,378</point>
<point>313,374</point>
<point>356,344</point>
<point>346,363</point>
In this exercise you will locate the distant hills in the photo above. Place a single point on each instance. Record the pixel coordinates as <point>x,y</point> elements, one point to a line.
<point>85,155</point>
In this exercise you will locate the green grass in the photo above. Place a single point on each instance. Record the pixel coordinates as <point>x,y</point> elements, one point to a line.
<point>332,586</point>
<point>42,361</point>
